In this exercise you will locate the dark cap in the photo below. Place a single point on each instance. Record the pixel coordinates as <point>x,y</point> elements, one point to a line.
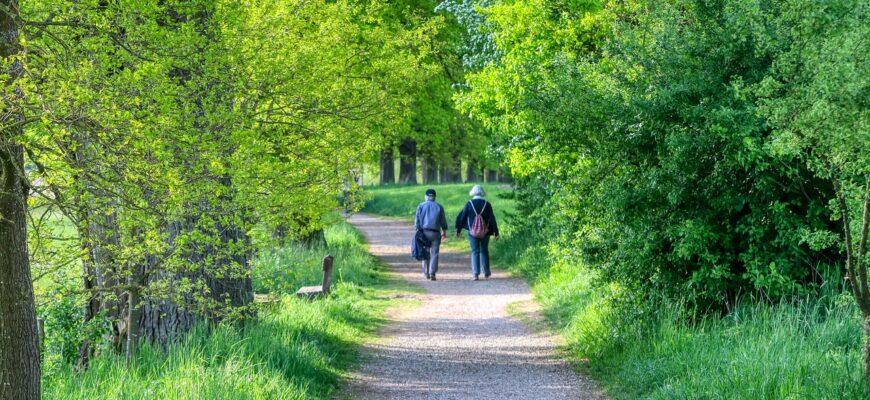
<point>430,192</point>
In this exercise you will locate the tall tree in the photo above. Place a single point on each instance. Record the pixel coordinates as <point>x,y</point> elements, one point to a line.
<point>387,165</point>
<point>19,350</point>
<point>408,161</point>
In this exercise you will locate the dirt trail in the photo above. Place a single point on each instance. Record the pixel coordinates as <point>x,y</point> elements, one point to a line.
<point>461,343</point>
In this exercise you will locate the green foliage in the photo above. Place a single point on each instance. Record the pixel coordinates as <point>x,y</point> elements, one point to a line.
<point>294,349</point>
<point>639,145</point>
<point>166,141</point>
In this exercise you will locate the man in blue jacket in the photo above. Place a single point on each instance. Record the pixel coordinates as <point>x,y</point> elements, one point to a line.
<point>431,221</point>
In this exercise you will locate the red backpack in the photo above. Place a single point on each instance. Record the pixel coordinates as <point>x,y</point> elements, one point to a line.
<point>478,226</point>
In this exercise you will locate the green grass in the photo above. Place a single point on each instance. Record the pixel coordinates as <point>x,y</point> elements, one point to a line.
<point>805,350</point>
<point>294,349</point>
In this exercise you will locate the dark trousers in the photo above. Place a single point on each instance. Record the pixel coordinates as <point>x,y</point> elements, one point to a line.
<point>430,266</point>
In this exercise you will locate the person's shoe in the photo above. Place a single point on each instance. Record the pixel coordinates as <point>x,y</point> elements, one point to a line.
<point>432,277</point>
<point>427,276</point>
<point>475,278</point>
<point>487,275</point>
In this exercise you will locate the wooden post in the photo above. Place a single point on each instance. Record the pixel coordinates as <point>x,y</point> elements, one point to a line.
<point>327,274</point>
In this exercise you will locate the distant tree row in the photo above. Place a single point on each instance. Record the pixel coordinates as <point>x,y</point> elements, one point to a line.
<point>155,146</point>
<point>433,135</point>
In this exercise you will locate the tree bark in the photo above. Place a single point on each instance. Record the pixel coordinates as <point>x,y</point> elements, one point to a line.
<point>163,321</point>
<point>229,281</point>
<point>134,314</point>
<point>471,171</point>
<point>388,171</point>
<point>19,335</point>
<point>491,176</point>
<point>430,170</point>
<point>19,344</point>
<point>102,278</point>
<point>867,348</point>
<point>408,162</point>
<point>452,172</point>
<point>163,318</point>
<point>100,238</point>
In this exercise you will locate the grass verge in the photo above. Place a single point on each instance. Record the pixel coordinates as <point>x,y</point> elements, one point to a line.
<point>294,349</point>
<point>803,350</point>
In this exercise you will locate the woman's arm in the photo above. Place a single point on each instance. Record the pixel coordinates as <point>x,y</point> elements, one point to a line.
<point>460,220</point>
<point>493,225</point>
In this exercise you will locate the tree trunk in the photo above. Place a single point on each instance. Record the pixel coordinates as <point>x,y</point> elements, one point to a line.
<point>408,162</point>
<point>134,308</point>
<point>229,280</point>
<point>19,344</point>
<point>19,335</point>
<point>165,316</point>
<point>491,176</point>
<point>867,348</point>
<point>430,170</point>
<point>471,171</point>
<point>163,321</point>
<point>99,235</point>
<point>102,280</point>
<point>452,172</point>
<point>388,171</point>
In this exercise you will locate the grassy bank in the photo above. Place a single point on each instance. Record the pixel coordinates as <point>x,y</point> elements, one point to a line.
<point>802,350</point>
<point>294,349</point>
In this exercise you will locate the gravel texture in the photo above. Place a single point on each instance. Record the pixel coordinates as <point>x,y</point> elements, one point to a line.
<point>461,343</point>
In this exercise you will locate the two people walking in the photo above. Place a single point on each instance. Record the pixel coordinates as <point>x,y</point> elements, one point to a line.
<point>477,217</point>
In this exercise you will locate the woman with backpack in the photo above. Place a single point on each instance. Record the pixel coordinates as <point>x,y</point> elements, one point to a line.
<point>479,219</point>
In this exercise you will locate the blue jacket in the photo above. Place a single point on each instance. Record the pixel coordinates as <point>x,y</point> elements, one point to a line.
<point>420,246</point>
<point>466,217</point>
<point>430,215</point>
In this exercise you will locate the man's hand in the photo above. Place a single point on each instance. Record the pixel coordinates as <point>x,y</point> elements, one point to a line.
<point>444,236</point>
<point>497,237</point>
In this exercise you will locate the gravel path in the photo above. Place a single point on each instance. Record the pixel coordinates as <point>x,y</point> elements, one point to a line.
<point>461,343</point>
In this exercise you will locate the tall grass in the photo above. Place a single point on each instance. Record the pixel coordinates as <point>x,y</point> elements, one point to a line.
<point>294,349</point>
<point>808,349</point>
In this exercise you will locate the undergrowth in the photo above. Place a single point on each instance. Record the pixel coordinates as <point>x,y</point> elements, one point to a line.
<point>800,349</point>
<point>293,349</point>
